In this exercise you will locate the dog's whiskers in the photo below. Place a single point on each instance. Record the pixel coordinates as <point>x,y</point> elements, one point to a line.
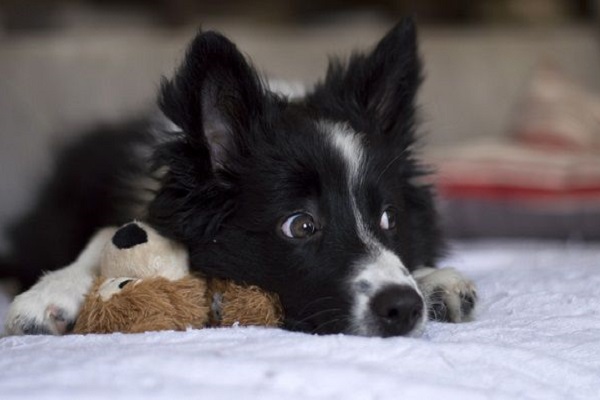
<point>331,321</point>
<point>314,302</point>
<point>388,167</point>
<point>318,313</point>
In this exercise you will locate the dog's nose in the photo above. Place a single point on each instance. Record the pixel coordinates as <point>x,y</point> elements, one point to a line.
<point>397,309</point>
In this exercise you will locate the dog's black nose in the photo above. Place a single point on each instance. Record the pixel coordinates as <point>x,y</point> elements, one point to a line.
<point>397,309</point>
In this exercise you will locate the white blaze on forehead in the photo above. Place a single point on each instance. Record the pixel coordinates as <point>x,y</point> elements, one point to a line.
<point>349,145</point>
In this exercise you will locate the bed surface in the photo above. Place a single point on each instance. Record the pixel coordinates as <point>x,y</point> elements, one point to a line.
<point>537,336</point>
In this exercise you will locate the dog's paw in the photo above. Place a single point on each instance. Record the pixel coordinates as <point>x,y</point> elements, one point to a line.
<point>450,297</point>
<point>50,307</point>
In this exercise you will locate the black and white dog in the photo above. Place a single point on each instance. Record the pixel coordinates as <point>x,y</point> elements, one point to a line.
<point>319,198</point>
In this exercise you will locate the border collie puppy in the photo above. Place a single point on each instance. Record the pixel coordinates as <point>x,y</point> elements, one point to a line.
<point>318,199</point>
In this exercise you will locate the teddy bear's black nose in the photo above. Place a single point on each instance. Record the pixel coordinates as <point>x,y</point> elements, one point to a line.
<point>129,236</point>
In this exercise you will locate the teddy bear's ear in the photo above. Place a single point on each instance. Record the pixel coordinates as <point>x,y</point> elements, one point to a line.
<point>112,286</point>
<point>139,251</point>
<point>129,235</point>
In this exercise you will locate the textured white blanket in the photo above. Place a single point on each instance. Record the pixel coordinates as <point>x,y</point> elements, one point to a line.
<point>537,336</point>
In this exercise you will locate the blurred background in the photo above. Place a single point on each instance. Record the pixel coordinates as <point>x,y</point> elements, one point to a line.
<point>510,105</point>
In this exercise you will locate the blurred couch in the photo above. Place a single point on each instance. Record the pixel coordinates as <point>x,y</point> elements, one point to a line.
<point>56,84</point>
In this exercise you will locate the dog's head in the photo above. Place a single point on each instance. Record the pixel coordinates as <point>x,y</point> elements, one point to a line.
<point>316,199</point>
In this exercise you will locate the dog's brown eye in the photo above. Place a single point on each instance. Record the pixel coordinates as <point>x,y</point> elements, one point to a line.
<point>299,226</point>
<point>388,219</point>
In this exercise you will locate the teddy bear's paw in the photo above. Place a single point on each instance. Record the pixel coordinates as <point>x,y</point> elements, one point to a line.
<point>450,296</point>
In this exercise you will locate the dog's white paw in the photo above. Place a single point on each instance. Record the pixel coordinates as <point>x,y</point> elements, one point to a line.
<point>450,296</point>
<point>51,306</point>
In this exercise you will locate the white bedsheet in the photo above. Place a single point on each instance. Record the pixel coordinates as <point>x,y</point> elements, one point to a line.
<point>537,336</point>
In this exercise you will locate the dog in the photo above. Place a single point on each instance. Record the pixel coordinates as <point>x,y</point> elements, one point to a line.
<point>320,198</point>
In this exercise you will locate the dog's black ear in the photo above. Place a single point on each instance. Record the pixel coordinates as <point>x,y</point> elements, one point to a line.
<point>214,96</point>
<point>379,86</point>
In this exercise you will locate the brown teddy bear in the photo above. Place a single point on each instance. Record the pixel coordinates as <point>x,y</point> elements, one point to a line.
<point>145,285</point>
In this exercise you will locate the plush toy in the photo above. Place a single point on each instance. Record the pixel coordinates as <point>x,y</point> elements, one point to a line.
<point>145,285</point>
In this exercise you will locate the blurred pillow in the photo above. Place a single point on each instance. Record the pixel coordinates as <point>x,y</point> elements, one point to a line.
<point>543,181</point>
<point>557,112</point>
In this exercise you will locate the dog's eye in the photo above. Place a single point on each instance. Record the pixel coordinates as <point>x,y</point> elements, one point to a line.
<point>388,219</point>
<point>299,226</point>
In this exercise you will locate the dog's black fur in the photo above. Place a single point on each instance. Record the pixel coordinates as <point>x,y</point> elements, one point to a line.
<point>85,192</point>
<point>246,159</point>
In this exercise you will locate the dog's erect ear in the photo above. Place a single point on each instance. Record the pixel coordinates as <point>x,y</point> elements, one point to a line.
<point>214,96</point>
<point>379,86</point>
